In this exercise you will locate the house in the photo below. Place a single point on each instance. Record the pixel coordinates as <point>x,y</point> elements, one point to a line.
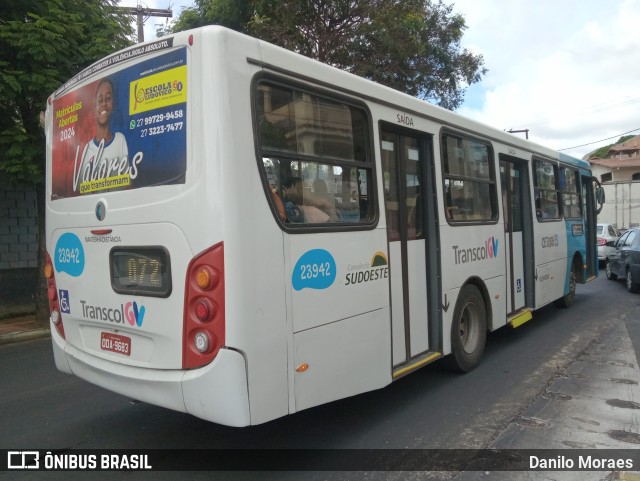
<point>622,162</point>
<point>619,173</point>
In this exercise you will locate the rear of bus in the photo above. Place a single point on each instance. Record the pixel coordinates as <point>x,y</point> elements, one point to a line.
<point>135,262</point>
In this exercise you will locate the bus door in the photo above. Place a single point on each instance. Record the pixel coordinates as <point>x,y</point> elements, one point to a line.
<point>517,232</point>
<point>411,234</point>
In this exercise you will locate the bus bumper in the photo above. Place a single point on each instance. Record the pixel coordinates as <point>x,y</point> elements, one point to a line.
<point>217,392</point>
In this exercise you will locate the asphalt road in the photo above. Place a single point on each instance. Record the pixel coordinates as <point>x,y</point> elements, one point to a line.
<point>432,408</point>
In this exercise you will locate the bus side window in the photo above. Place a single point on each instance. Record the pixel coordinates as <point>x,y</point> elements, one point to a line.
<point>322,141</point>
<point>469,180</point>
<point>547,189</point>
<point>571,201</point>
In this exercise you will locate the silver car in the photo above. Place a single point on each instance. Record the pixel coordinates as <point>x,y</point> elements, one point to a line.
<point>606,233</point>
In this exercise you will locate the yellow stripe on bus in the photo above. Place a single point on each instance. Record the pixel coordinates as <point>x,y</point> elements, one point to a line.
<point>420,363</point>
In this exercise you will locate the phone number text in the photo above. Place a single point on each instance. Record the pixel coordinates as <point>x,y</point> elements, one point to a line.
<point>162,129</point>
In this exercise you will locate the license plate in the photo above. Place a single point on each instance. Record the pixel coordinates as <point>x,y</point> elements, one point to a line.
<point>115,343</point>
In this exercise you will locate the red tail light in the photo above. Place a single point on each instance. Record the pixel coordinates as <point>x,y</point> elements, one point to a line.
<point>602,242</point>
<point>204,322</point>
<point>52,294</point>
<point>202,310</point>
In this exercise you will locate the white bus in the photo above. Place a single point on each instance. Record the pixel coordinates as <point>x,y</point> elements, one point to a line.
<point>238,232</point>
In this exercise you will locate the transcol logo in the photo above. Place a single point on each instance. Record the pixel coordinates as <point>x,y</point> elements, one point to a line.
<point>488,250</point>
<point>131,312</point>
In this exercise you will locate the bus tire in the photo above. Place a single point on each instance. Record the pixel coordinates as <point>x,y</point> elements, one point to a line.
<point>567,300</point>
<point>468,330</point>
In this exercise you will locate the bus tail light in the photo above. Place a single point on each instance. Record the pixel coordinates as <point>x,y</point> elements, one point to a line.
<point>203,278</point>
<point>202,341</point>
<point>204,314</point>
<point>202,310</point>
<point>52,294</point>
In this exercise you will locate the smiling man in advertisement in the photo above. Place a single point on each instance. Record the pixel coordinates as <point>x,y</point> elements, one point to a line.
<point>124,130</point>
<point>106,155</point>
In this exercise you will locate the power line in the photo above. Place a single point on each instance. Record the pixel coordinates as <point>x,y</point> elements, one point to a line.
<point>597,141</point>
<point>594,108</point>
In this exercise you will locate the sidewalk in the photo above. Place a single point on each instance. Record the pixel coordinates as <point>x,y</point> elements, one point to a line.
<point>22,328</point>
<point>593,404</point>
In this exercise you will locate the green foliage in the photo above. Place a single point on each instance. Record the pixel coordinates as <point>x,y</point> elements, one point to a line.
<point>233,14</point>
<point>412,45</point>
<point>603,151</point>
<point>42,44</point>
<point>189,18</point>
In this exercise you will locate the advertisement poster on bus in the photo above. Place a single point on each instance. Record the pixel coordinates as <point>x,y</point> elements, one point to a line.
<point>122,131</point>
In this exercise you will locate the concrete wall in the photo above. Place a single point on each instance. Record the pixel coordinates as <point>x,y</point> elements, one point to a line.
<point>617,175</point>
<point>18,248</point>
<point>622,204</point>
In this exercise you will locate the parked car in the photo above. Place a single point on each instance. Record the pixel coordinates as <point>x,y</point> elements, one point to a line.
<point>606,233</point>
<point>624,261</point>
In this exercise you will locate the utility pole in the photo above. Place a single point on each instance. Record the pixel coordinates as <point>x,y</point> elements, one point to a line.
<point>525,131</point>
<point>140,13</point>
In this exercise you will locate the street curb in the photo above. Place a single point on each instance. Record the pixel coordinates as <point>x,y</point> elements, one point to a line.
<point>24,336</point>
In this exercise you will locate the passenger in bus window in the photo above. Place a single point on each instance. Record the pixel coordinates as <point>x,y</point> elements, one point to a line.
<point>293,200</point>
<point>298,208</point>
<point>314,215</point>
<point>322,199</point>
<point>282,213</point>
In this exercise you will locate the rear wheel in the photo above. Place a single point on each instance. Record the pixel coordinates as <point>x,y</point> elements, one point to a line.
<point>468,330</point>
<point>610,275</point>
<point>567,299</point>
<point>631,286</point>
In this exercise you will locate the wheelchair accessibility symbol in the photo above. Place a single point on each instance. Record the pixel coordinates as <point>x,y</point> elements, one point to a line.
<point>64,301</point>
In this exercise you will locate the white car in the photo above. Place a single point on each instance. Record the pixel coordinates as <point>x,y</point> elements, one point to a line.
<point>606,233</point>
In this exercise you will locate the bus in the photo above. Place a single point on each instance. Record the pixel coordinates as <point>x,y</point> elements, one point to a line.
<point>238,232</point>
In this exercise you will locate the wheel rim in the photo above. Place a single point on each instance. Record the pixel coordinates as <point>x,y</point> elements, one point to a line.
<point>629,281</point>
<point>607,269</point>
<point>469,327</point>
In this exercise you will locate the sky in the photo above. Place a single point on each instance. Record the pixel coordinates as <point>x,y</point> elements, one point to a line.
<point>151,23</point>
<point>567,70</point>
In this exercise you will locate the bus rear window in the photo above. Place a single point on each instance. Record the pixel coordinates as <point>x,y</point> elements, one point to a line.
<point>314,153</point>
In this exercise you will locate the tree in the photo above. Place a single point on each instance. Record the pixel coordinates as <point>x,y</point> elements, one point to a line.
<point>234,14</point>
<point>42,44</point>
<point>410,45</point>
